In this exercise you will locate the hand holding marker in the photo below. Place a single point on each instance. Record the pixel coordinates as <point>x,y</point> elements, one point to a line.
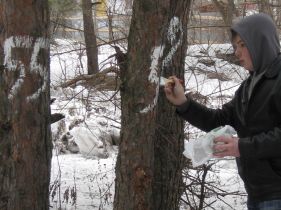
<point>164,81</point>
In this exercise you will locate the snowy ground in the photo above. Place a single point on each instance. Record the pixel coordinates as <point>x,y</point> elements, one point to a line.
<point>86,180</point>
<point>90,180</point>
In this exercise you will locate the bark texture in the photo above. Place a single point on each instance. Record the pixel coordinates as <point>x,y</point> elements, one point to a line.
<point>25,142</point>
<point>228,11</point>
<point>148,170</point>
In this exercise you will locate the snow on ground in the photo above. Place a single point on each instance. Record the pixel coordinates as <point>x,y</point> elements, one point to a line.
<point>82,183</point>
<point>85,180</point>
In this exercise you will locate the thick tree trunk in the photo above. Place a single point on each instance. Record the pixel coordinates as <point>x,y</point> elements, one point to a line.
<point>228,11</point>
<point>25,142</point>
<point>148,170</point>
<point>90,37</point>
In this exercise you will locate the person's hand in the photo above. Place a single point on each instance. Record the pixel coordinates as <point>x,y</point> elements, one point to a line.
<point>175,91</point>
<point>226,146</point>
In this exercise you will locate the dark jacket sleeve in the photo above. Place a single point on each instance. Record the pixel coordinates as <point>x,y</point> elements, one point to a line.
<point>206,118</point>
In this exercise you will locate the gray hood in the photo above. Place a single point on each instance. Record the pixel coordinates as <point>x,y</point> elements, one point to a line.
<point>260,35</point>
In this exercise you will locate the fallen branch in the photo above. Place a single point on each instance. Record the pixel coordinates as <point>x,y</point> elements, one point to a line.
<point>101,80</point>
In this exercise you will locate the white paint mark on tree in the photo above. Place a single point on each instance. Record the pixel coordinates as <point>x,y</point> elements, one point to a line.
<point>13,65</point>
<point>40,43</point>
<point>25,42</point>
<point>156,55</point>
<point>17,84</point>
<point>153,76</point>
<point>37,68</point>
<point>40,90</point>
<point>175,28</point>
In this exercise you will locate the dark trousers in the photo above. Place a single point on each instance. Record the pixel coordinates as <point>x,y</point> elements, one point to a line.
<point>264,205</point>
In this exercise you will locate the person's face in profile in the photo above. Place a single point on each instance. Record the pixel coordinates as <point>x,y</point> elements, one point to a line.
<point>242,53</point>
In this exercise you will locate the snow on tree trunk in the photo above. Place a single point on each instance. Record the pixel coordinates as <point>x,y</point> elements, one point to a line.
<point>148,169</point>
<point>25,142</point>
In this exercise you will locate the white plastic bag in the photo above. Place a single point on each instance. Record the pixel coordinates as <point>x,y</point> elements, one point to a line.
<point>201,150</point>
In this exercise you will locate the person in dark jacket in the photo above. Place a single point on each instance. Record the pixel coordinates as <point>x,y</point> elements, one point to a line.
<point>254,112</point>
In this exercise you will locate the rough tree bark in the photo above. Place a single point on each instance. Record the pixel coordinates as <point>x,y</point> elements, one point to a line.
<point>227,10</point>
<point>149,164</point>
<point>264,6</point>
<point>128,4</point>
<point>90,37</point>
<point>25,142</point>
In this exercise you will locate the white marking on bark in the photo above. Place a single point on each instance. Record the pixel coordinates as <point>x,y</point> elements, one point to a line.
<point>17,84</point>
<point>13,65</point>
<point>156,55</point>
<point>153,76</point>
<point>40,90</point>
<point>174,28</point>
<point>35,67</point>
<point>11,43</point>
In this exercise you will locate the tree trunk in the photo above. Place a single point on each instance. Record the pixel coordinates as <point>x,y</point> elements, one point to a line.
<point>25,140</point>
<point>110,25</point>
<point>90,37</point>
<point>227,11</point>
<point>264,7</point>
<point>128,4</point>
<point>149,164</point>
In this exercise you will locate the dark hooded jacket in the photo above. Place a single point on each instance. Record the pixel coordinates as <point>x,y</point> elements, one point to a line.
<point>255,111</point>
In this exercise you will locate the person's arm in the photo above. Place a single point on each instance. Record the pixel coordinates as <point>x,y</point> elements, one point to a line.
<point>204,118</point>
<point>197,114</point>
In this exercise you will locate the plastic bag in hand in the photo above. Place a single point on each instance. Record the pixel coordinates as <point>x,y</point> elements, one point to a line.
<point>201,150</point>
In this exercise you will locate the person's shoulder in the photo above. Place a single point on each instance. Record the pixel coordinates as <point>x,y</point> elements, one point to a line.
<point>275,68</point>
<point>244,85</point>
